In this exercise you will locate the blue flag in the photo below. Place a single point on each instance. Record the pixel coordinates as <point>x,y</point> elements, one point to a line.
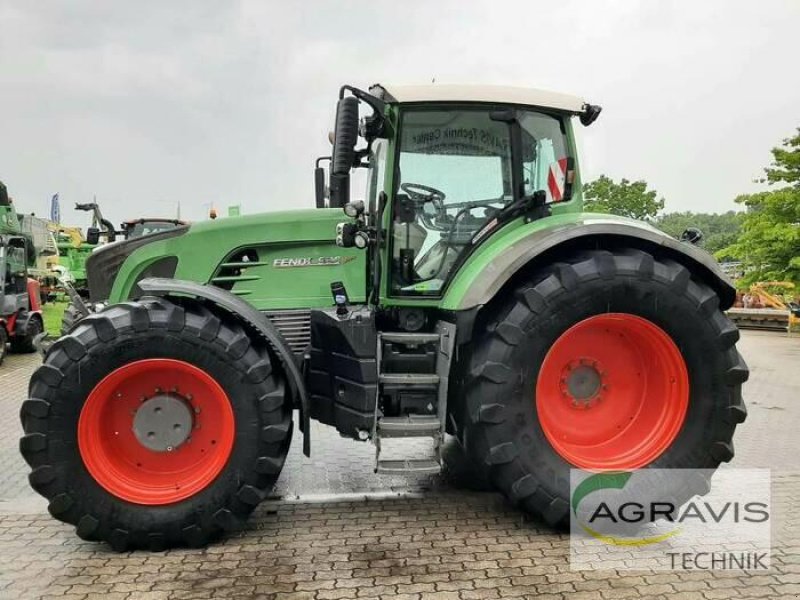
<point>55,210</point>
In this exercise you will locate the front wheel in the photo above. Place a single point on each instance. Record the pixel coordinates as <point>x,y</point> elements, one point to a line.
<point>609,361</point>
<point>155,424</point>
<point>26,342</point>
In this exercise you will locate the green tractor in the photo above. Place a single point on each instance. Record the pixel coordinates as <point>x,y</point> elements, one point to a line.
<point>466,294</point>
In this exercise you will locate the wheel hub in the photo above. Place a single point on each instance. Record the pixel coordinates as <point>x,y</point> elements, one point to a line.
<point>163,423</point>
<point>583,382</point>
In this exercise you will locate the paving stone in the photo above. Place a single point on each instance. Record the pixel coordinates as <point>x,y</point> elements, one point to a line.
<point>440,541</point>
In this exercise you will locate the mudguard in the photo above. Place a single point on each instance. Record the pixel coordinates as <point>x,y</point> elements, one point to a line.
<point>490,268</point>
<point>24,317</point>
<point>253,320</point>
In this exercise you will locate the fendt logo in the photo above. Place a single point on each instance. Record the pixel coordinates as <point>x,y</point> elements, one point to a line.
<point>308,261</point>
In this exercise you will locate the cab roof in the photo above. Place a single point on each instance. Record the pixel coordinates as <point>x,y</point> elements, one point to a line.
<point>501,94</point>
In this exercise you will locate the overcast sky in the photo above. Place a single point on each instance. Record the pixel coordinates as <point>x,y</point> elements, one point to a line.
<point>149,104</point>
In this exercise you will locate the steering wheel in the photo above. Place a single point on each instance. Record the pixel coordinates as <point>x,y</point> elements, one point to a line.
<point>424,196</point>
<point>423,193</point>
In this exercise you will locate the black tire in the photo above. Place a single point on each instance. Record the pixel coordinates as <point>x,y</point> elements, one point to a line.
<point>3,342</point>
<point>71,316</point>
<point>155,328</point>
<point>501,423</point>
<point>24,344</point>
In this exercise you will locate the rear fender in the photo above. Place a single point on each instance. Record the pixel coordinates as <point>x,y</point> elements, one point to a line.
<point>255,322</point>
<point>19,322</point>
<point>490,269</point>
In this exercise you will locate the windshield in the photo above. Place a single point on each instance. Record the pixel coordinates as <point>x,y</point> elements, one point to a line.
<point>148,227</point>
<point>455,174</point>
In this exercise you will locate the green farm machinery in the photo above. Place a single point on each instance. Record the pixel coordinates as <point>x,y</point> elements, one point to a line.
<point>21,323</point>
<point>466,294</point>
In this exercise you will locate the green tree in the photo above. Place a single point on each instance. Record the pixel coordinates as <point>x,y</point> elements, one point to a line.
<point>626,198</point>
<point>719,230</point>
<point>770,242</point>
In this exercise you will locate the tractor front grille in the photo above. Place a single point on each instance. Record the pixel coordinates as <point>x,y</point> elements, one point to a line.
<point>294,325</point>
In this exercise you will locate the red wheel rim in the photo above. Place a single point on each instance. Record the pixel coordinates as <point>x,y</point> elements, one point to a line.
<point>612,393</point>
<point>112,438</point>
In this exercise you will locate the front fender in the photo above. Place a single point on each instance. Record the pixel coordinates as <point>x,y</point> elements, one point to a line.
<point>252,319</point>
<point>495,262</point>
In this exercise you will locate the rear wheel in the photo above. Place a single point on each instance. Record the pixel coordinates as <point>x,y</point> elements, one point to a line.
<point>608,361</point>
<point>155,424</point>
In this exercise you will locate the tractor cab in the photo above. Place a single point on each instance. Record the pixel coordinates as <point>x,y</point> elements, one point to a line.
<point>446,167</point>
<point>13,272</point>
<point>20,303</point>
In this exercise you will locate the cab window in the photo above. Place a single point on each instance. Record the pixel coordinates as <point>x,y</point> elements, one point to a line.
<point>453,173</point>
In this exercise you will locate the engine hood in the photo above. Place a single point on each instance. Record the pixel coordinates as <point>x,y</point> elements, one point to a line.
<point>291,258</point>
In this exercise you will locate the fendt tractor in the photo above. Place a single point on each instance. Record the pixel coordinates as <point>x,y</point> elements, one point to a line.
<point>466,294</point>
<point>21,323</point>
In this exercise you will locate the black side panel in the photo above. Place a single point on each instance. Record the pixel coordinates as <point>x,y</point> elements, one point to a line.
<point>104,264</point>
<point>342,374</point>
<point>163,267</point>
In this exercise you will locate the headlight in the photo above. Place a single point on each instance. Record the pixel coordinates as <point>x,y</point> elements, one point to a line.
<point>354,209</point>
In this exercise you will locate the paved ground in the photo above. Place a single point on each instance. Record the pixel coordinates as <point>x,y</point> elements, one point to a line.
<point>434,539</point>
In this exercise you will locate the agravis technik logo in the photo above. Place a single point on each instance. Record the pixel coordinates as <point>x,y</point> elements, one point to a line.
<point>670,519</point>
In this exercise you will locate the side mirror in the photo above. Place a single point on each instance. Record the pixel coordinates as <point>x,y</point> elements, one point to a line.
<point>93,236</point>
<point>590,114</point>
<point>344,149</point>
<point>319,182</point>
<point>319,186</point>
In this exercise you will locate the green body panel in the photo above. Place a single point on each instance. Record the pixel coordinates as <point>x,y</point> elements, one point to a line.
<point>73,258</point>
<point>483,258</point>
<point>281,278</point>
